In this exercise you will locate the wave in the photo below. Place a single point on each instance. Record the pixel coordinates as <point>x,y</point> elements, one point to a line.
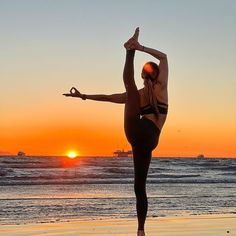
<point>119,170</point>
<point>112,198</point>
<point>61,170</point>
<point>69,181</point>
<point>3,172</point>
<point>174,176</point>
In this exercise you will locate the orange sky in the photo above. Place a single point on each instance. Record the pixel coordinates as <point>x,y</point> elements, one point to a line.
<point>76,127</point>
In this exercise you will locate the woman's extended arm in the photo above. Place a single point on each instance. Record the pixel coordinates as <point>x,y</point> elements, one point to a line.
<point>115,98</point>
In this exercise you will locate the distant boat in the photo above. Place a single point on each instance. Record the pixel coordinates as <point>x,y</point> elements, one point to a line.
<point>201,156</point>
<point>21,154</point>
<point>122,153</point>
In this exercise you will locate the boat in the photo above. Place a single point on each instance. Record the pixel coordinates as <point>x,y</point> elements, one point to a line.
<point>21,154</point>
<point>200,156</point>
<point>122,153</point>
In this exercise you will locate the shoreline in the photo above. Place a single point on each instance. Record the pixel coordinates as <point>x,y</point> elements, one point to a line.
<point>202,225</point>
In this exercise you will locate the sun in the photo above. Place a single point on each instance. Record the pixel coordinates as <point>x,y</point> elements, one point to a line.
<point>72,154</point>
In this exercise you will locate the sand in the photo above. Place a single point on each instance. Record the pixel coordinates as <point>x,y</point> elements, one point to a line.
<point>206,225</point>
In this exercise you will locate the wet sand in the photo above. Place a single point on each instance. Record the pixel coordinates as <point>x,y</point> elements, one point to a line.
<point>163,226</point>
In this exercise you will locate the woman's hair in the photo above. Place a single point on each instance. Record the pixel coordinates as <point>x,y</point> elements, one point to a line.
<point>149,70</point>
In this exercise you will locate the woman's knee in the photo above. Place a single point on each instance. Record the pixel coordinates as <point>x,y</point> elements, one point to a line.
<point>140,190</point>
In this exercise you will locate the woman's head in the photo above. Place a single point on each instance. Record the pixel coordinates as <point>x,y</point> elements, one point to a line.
<point>150,71</point>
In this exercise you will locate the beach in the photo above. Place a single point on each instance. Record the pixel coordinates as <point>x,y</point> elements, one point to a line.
<point>204,225</point>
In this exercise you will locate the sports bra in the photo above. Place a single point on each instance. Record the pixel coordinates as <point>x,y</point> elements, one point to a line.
<point>149,109</point>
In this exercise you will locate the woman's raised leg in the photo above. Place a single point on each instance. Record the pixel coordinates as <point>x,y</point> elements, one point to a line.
<point>132,105</point>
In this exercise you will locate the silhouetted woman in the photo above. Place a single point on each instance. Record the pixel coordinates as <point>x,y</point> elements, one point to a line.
<point>145,114</point>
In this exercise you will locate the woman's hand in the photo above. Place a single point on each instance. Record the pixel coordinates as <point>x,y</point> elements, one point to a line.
<point>73,93</point>
<point>132,43</point>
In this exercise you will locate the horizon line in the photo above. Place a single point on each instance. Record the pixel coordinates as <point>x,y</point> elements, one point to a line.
<point>106,156</point>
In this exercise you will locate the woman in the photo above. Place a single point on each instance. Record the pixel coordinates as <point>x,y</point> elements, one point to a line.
<point>145,114</point>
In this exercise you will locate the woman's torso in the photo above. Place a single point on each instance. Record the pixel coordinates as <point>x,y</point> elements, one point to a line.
<point>161,95</point>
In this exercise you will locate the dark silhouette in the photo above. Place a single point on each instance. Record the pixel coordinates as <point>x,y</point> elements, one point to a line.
<point>145,114</point>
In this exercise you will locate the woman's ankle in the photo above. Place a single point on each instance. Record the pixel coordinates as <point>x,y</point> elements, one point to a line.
<point>140,232</point>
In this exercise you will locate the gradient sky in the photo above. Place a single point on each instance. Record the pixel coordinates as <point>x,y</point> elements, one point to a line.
<point>48,46</point>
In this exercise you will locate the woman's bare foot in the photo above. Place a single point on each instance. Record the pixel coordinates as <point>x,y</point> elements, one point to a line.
<point>136,34</point>
<point>140,233</point>
<point>132,43</point>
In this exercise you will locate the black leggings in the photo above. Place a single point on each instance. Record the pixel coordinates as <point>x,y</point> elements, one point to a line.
<point>142,134</point>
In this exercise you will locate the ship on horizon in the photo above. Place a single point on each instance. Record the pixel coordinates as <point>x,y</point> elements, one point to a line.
<point>21,154</point>
<point>200,156</point>
<point>122,153</point>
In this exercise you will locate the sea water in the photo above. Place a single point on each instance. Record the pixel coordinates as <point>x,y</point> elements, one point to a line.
<point>52,189</point>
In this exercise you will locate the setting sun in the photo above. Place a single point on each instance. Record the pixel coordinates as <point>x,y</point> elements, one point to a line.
<point>72,154</point>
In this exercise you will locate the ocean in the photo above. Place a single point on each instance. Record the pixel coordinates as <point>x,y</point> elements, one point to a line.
<point>59,189</point>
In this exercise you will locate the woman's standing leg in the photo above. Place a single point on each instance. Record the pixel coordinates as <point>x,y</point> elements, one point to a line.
<point>142,158</point>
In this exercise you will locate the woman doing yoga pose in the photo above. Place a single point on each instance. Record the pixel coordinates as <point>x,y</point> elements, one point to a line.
<point>144,116</point>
